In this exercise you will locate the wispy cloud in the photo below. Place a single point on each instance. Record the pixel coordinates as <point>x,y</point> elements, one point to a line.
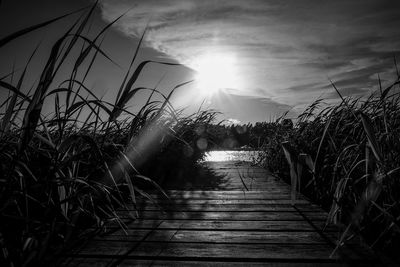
<point>287,50</point>
<point>233,122</point>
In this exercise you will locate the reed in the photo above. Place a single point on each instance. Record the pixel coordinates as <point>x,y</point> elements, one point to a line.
<point>71,171</point>
<point>347,158</point>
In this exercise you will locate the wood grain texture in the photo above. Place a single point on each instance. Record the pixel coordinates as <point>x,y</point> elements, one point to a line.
<point>236,215</point>
<point>225,225</point>
<point>104,262</point>
<point>225,236</point>
<point>220,207</point>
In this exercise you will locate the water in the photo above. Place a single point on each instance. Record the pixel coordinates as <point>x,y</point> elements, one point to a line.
<point>231,155</point>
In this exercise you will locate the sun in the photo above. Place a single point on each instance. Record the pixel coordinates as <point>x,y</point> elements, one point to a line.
<point>214,72</point>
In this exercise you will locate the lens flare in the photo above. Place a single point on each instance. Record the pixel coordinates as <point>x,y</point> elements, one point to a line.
<point>214,72</point>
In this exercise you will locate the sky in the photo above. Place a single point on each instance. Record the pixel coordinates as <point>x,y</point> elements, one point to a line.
<point>252,60</point>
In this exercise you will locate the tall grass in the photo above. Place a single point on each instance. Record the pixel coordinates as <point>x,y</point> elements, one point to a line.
<point>347,158</point>
<point>63,173</point>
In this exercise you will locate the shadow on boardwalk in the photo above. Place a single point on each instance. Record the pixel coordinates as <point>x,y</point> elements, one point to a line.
<point>199,177</point>
<point>210,219</point>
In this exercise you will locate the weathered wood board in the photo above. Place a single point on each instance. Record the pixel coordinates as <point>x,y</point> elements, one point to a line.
<point>245,219</point>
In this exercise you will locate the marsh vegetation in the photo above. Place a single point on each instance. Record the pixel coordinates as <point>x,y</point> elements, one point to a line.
<point>346,157</point>
<point>69,171</point>
<point>64,173</point>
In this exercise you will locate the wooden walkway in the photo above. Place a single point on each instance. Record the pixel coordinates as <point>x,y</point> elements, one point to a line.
<point>233,214</point>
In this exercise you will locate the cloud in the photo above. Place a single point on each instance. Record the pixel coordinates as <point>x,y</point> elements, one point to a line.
<point>248,108</point>
<point>287,50</point>
<point>233,121</point>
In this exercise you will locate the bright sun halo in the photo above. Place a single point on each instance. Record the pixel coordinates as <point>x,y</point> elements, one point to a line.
<point>214,72</point>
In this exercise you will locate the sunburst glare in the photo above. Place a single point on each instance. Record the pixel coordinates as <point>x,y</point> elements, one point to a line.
<point>214,72</point>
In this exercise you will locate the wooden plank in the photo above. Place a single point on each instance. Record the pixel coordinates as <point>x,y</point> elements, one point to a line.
<point>125,234</point>
<point>243,170</point>
<point>85,262</point>
<point>225,225</point>
<point>239,192</point>
<point>259,194</point>
<point>236,180</point>
<point>104,262</point>
<point>239,215</point>
<point>135,224</point>
<point>154,250</point>
<point>218,194</point>
<point>237,237</point>
<point>237,172</point>
<point>253,251</point>
<point>167,263</point>
<point>226,186</point>
<point>251,186</point>
<point>240,237</point>
<point>242,194</point>
<point>221,207</point>
<point>233,201</point>
<point>229,186</point>
<point>265,186</point>
<point>238,177</point>
<point>283,196</point>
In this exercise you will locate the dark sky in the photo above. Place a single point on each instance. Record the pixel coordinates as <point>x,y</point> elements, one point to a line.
<point>263,57</point>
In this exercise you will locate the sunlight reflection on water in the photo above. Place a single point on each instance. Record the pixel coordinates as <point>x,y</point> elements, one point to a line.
<point>231,155</point>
